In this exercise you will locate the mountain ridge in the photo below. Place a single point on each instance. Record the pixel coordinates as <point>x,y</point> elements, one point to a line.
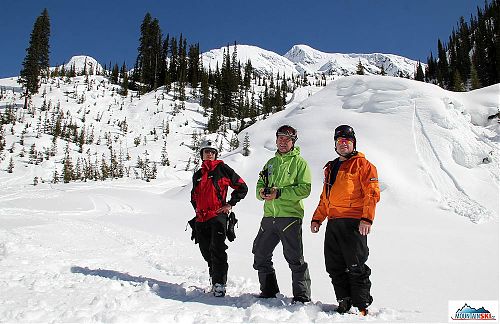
<point>298,60</point>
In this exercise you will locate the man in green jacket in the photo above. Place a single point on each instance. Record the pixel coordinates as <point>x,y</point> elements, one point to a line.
<point>284,181</point>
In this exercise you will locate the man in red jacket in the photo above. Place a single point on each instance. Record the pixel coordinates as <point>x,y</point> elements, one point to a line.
<point>350,193</point>
<point>208,197</point>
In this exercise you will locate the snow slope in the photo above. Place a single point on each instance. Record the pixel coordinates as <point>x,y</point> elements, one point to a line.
<point>303,58</point>
<point>310,60</point>
<point>117,251</point>
<point>264,62</point>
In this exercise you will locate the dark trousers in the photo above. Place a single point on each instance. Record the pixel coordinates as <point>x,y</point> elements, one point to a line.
<point>288,231</point>
<point>346,252</point>
<point>211,237</point>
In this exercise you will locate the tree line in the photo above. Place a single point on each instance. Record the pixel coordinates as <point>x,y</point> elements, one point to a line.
<point>225,90</point>
<point>471,58</point>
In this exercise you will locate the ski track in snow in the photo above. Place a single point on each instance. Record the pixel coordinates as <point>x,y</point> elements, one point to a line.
<point>448,189</point>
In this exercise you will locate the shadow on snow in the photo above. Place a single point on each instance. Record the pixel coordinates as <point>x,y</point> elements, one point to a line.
<point>196,294</point>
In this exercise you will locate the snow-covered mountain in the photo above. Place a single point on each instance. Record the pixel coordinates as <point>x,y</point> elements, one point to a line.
<point>117,250</point>
<point>303,58</point>
<point>82,62</point>
<point>263,61</point>
<point>310,60</point>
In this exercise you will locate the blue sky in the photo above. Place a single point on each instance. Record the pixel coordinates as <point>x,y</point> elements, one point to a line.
<point>109,30</point>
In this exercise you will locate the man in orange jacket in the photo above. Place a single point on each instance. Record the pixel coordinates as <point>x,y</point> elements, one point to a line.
<point>350,193</point>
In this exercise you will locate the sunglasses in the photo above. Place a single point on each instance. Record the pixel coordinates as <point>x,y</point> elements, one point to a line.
<point>212,151</point>
<point>343,140</point>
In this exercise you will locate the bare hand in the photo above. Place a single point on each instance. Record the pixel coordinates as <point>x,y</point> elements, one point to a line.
<point>226,209</point>
<point>364,228</point>
<point>315,227</point>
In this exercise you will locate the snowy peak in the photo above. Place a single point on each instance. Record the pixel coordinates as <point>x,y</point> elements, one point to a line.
<point>302,59</point>
<point>304,54</point>
<point>310,60</point>
<point>82,63</point>
<point>263,61</point>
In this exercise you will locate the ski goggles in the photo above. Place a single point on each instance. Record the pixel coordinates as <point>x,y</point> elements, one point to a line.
<point>287,136</point>
<point>343,140</point>
<point>209,150</point>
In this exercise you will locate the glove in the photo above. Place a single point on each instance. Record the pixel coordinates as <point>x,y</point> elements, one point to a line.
<point>192,223</point>
<point>231,222</point>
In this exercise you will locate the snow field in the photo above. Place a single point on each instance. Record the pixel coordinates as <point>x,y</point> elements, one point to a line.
<point>117,251</point>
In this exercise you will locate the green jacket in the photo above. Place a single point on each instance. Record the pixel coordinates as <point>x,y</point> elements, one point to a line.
<point>290,174</point>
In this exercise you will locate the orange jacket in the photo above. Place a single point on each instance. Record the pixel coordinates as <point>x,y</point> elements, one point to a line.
<point>353,194</point>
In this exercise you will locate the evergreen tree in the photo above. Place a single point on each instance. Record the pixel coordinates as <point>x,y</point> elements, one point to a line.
<point>36,61</point>
<point>32,154</point>
<point>246,145</point>
<point>164,71</point>
<point>55,177</point>
<point>458,84</point>
<point>182,61</point>
<point>68,166</point>
<point>105,172</point>
<point>84,72</point>
<point>463,48</point>
<point>474,78</point>
<point>360,69</point>
<point>164,155</point>
<point>172,68</point>
<point>234,143</point>
<point>248,71</point>
<point>81,140</point>
<point>194,73</point>
<point>215,119</point>
<point>124,76</point>
<point>2,140</point>
<point>150,53</point>
<point>114,74</point>
<point>10,167</point>
<point>205,91</point>
<point>443,75</point>
<point>431,69</point>
<point>382,70</point>
<point>419,75</point>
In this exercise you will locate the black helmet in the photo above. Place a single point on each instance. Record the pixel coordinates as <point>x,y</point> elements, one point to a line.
<point>345,131</point>
<point>287,130</point>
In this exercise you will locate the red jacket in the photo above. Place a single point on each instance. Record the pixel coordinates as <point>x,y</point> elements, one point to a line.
<point>353,194</point>
<point>210,184</point>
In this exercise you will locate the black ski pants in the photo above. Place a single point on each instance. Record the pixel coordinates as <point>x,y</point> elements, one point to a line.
<point>346,252</point>
<point>211,237</point>
<point>288,231</point>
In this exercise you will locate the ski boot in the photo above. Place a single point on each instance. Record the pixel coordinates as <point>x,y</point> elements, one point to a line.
<point>345,305</point>
<point>219,290</point>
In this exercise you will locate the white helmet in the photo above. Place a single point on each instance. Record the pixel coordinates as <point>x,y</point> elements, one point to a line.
<point>208,144</point>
